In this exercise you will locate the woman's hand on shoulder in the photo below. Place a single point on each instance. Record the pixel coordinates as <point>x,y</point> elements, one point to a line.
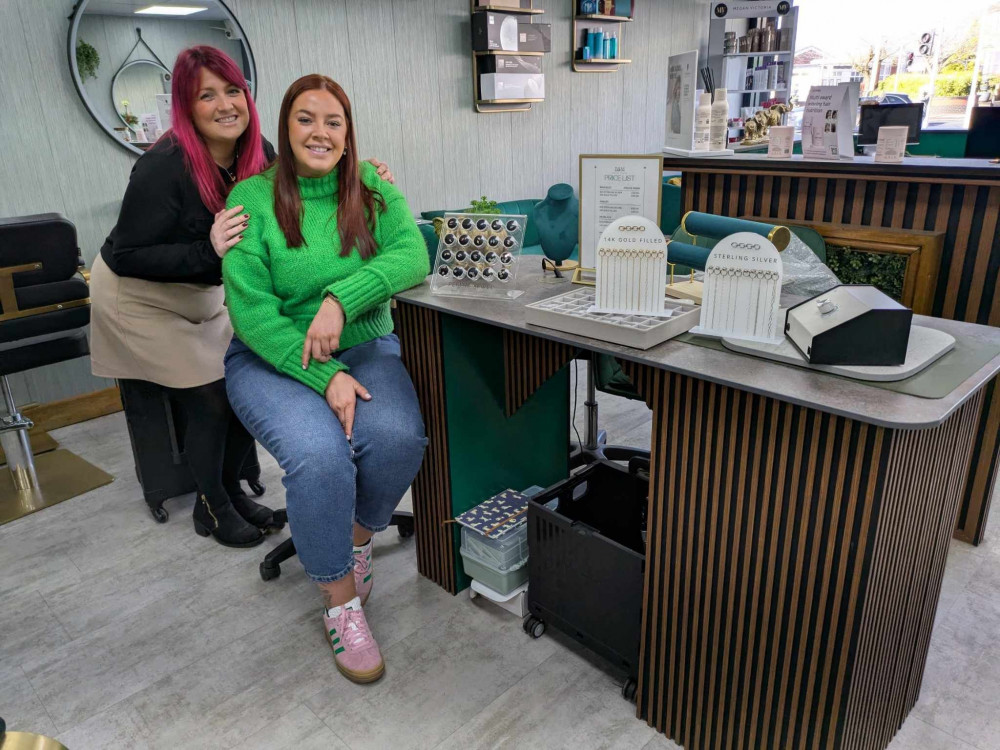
<point>323,336</point>
<point>382,170</point>
<point>342,394</point>
<point>227,230</point>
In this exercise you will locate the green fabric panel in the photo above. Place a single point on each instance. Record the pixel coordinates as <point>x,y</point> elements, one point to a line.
<point>431,215</point>
<point>937,381</point>
<point>948,144</point>
<point>812,238</point>
<point>431,239</point>
<point>487,452</point>
<point>670,206</point>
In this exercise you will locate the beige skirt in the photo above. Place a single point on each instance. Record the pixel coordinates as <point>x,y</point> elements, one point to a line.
<point>172,334</point>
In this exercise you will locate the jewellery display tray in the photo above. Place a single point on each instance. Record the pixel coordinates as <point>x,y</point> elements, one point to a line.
<point>569,312</point>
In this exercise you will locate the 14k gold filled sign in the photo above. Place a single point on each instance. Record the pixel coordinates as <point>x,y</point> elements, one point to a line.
<point>631,267</point>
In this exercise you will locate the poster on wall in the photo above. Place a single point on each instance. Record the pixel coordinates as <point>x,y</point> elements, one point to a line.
<point>827,131</point>
<point>750,8</point>
<point>613,186</point>
<point>682,79</point>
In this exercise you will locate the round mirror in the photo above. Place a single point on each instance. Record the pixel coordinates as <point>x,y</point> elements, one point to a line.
<point>121,53</point>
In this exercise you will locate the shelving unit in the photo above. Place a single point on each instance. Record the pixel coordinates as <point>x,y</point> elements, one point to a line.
<point>730,69</point>
<point>489,106</point>
<point>584,21</point>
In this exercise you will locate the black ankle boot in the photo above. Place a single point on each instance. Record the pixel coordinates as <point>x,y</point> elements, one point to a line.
<point>253,513</point>
<point>224,524</point>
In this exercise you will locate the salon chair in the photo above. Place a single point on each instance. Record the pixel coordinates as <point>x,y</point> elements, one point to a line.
<point>44,309</point>
<point>270,567</point>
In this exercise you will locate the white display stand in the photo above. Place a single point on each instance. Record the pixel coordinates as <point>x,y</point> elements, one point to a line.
<point>926,346</point>
<point>828,123</point>
<point>613,186</point>
<point>631,268</point>
<point>690,152</point>
<point>742,290</point>
<point>682,80</point>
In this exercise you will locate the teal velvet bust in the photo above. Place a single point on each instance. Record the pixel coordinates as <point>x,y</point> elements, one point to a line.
<point>557,220</point>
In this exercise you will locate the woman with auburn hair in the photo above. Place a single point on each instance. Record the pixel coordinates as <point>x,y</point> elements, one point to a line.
<point>157,302</point>
<point>314,371</point>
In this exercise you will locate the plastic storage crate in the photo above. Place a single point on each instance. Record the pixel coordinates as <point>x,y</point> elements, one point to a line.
<point>506,553</point>
<point>503,582</point>
<point>586,560</point>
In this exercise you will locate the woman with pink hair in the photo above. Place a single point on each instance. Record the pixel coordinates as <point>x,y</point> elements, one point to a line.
<point>158,311</point>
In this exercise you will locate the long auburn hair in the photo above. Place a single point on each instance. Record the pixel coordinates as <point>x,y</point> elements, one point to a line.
<point>197,158</point>
<point>356,203</point>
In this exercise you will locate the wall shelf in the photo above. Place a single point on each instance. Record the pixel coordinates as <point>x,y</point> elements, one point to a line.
<point>490,106</point>
<point>599,17</point>
<point>506,10</point>
<point>783,53</point>
<point>505,52</point>
<point>584,21</point>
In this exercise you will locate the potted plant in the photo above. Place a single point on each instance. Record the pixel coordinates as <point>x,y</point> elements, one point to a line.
<point>87,60</point>
<point>130,119</point>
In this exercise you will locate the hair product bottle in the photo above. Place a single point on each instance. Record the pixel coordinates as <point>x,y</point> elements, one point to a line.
<point>720,122</point>
<point>703,122</point>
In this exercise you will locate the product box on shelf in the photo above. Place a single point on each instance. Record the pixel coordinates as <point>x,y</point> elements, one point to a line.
<point>588,7</point>
<point>515,4</point>
<point>494,31</point>
<point>534,37</point>
<point>512,86</point>
<point>510,64</point>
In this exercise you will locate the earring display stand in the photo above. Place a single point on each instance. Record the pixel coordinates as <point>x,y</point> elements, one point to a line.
<point>478,256</point>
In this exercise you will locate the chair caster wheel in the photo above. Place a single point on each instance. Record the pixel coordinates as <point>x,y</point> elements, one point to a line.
<point>269,573</point>
<point>160,514</point>
<point>628,690</point>
<point>533,626</point>
<point>257,487</point>
<point>405,528</point>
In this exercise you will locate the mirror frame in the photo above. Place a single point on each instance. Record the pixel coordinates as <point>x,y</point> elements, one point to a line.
<point>74,24</point>
<point>121,70</point>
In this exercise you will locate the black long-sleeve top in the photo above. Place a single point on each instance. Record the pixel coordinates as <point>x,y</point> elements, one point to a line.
<point>163,227</point>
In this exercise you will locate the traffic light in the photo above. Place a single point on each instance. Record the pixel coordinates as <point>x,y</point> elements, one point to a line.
<point>926,43</point>
<point>909,60</point>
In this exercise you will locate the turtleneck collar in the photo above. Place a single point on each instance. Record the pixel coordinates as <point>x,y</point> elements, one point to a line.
<point>319,187</point>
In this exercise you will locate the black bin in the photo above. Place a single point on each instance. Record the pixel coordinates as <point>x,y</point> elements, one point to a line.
<point>586,559</point>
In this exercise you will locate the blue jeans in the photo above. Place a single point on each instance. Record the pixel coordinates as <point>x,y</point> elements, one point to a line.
<point>331,483</point>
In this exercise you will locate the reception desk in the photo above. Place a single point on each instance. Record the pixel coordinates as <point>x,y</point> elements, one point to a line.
<point>959,198</point>
<point>797,528</point>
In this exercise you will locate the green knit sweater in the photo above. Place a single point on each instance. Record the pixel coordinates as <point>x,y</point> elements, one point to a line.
<point>273,291</point>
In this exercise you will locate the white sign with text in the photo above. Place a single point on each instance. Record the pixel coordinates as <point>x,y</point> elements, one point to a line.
<point>827,124</point>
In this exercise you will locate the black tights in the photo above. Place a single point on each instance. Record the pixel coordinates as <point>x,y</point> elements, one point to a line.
<point>215,441</point>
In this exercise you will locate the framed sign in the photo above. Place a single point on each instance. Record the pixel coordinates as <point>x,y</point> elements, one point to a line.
<point>613,186</point>
<point>682,80</point>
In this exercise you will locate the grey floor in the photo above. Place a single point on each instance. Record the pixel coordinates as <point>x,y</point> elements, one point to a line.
<point>116,632</point>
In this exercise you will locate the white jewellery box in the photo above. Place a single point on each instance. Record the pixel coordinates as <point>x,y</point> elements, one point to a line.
<point>512,85</point>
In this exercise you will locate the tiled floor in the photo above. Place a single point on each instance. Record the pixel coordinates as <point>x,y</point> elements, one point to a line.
<point>117,632</point>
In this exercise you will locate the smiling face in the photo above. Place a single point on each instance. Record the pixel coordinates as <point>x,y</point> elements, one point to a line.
<point>317,132</point>
<point>220,109</point>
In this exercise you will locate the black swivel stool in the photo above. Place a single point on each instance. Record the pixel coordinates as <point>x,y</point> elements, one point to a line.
<point>44,311</point>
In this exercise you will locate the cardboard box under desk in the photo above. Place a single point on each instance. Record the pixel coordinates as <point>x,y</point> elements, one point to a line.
<point>510,64</point>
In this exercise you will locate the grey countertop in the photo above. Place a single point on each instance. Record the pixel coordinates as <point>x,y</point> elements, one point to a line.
<point>817,390</point>
<point>912,166</point>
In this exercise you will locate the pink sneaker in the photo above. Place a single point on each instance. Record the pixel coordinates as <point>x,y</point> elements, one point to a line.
<point>354,648</point>
<point>363,572</point>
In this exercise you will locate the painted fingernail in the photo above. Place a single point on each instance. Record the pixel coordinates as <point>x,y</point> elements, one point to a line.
<point>245,223</point>
<point>241,236</point>
<point>246,216</point>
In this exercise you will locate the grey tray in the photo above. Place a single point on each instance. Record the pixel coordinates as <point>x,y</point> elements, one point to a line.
<point>569,312</point>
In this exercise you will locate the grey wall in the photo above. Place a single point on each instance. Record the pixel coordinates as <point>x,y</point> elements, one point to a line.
<point>406,65</point>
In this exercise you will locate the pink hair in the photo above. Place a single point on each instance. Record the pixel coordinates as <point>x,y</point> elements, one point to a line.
<point>199,162</point>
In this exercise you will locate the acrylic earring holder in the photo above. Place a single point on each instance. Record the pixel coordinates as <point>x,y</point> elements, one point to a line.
<point>477,256</point>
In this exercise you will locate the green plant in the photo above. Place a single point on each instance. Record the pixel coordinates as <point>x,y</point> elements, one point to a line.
<point>484,206</point>
<point>886,271</point>
<point>87,60</point>
<point>130,119</point>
